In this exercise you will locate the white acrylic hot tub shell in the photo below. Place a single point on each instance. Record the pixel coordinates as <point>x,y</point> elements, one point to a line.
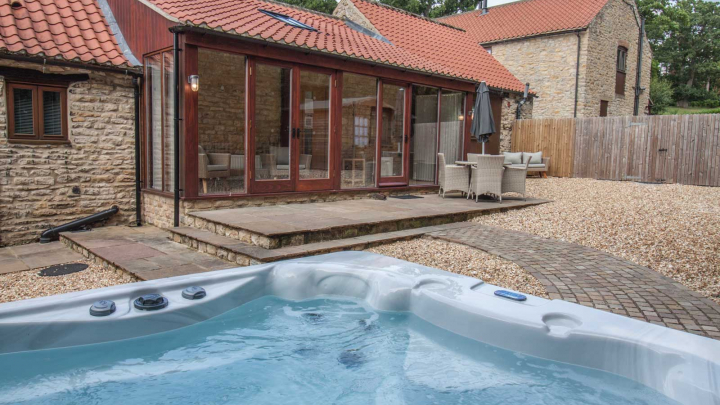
<point>682,366</point>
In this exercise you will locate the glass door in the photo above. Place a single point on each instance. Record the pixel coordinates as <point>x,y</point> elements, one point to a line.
<point>313,163</point>
<point>394,136</point>
<point>292,126</point>
<point>272,127</point>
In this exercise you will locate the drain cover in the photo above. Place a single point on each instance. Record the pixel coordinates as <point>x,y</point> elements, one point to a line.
<point>62,269</point>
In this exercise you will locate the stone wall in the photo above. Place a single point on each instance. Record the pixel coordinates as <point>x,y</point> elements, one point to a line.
<point>158,209</point>
<point>347,10</point>
<point>508,117</point>
<point>221,102</point>
<point>617,24</point>
<point>47,185</point>
<point>548,64</point>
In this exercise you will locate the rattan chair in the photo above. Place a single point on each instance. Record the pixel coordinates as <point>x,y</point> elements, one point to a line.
<point>452,177</point>
<point>486,177</point>
<point>513,179</point>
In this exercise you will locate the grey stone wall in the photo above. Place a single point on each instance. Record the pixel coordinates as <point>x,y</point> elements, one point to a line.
<point>508,117</point>
<point>617,24</point>
<point>549,65</point>
<point>37,181</point>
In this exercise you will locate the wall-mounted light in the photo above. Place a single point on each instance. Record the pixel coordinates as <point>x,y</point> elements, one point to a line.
<point>194,81</point>
<point>461,117</point>
<point>472,114</point>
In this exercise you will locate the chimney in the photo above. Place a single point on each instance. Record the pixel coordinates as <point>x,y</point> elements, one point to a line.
<point>484,7</point>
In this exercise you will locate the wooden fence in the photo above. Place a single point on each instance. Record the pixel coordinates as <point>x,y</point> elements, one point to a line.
<point>681,149</point>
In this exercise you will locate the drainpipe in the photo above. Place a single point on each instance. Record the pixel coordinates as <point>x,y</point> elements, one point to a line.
<point>138,181</point>
<point>176,135</point>
<point>638,71</point>
<point>523,101</point>
<point>577,73</point>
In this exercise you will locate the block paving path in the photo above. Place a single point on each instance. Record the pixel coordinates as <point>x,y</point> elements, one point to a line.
<point>596,279</point>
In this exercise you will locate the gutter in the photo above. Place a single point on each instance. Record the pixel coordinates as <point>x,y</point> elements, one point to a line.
<point>128,70</point>
<point>577,74</point>
<point>176,135</point>
<point>638,70</point>
<point>138,181</point>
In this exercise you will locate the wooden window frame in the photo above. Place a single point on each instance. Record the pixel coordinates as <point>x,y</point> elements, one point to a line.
<point>38,136</point>
<point>620,74</point>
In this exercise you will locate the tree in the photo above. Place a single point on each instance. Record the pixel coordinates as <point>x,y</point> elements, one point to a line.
<point>685,37</point>
<point>661,95</point>
<point>323,6</point>
<point>426,8</point>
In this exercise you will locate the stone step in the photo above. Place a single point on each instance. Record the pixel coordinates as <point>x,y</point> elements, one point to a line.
<point>260,229</point>
<point>245,254</point>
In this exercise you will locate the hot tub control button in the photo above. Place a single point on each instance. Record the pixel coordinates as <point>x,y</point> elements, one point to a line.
<point>194,293</point>
<point>510,295</point>
<point>151,302</point>
<point>102,308</point>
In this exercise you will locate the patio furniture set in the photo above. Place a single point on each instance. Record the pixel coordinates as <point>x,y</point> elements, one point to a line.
<point>490,174</point>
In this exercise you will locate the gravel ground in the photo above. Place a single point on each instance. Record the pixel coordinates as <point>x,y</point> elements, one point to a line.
<point>672,229</point>
<point>27,284</point>
<point>464,260</point>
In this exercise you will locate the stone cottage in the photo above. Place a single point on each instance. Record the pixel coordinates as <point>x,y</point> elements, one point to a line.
<point>67,117</point>
<point>579,56</point>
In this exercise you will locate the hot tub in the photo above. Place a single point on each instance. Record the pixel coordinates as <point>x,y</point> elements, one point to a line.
<point>343,328</point>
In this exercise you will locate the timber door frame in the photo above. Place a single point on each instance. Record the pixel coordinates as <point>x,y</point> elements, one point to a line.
<point>391,181</point>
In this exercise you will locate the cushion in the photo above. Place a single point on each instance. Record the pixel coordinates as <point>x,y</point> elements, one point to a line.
<point>536,165</point>
<point>217,168</point>
<point>201,150</point>
<point>512,158</point>
<point>287,167</point>
<point>282,154</point>
<point>535,158</point>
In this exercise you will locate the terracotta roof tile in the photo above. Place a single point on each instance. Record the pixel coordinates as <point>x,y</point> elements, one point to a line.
<point>445,46</point>
<point>74,30</point>
<point>417,44</point>
<point>526,18</point>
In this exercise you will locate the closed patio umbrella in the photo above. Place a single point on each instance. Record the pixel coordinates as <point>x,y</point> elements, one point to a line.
<point>483,124</point>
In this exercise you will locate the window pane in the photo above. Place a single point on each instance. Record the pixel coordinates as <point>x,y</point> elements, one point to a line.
<point>221,122</point>
<point>452,110</point>
<point>272,127</point>
<point>154,111</point>
<point>169,122</point>
<point>23,115</point>
<point>393,127</point>
<point>423,139</point>
<point>359,109</point>
<point>314,125</point>
<point>52,113</point>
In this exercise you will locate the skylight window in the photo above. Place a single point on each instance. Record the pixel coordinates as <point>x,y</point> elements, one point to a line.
<point>288,20</point>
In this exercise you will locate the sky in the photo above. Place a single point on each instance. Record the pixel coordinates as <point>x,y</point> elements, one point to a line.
<point>498,2</point>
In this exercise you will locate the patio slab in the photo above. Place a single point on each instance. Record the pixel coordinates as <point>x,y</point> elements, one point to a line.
<point>280,226</point>
<point>145,252</point>
<point>35,255</point>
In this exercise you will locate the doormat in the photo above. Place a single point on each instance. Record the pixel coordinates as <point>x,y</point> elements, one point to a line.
<point>405,197</point>
<point>62,269</point>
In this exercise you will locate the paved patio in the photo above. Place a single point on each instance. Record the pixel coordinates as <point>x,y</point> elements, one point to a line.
<point>276,226</point>
<point>596,279</point>
<point>34,256</point>
<point>146,252</point>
